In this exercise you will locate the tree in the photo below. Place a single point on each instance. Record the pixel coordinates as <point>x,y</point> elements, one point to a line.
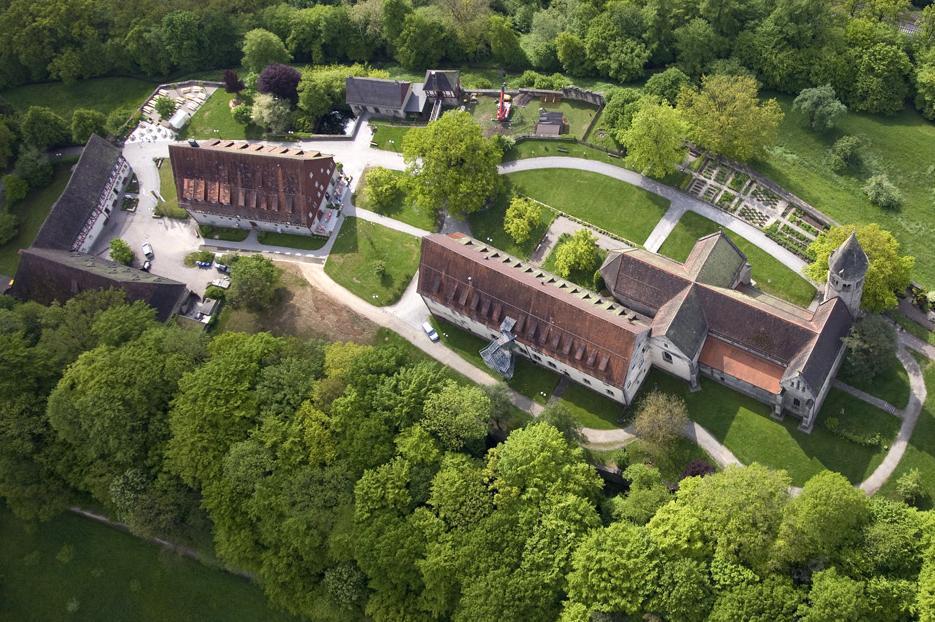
<point>504,42</point>
<point>421,42</point>
<point>522,217</point>
<point>394,19</point>
<point>696,45</point>
<point>727,117</point>
<point>667,84</point>
<point>683,591</point>
<point>820,107</point>
<point>84,123</point>
<point>573,54</point>
<point>655,140</point>
<point>615,51</point>
<point>909,486</point>
<point>118,120</point>
<point>613,571</point>
<point>559,417</point>
<point>272,113</point>
<point>451,165</point>
<point>165,106</point>
<point>15,188</point>
<point>888,271</point>
<point>578,253</point>
<point>42,128</point>
<point>254,281</point>
<point>836,597</point>
<point>232,82</point>
<point>882,193</point>
<point>882,78</point>
<point>8,142</point>
<point>774,599</point>
<point>457,416</point>
<point>925,600</point>
<point>382,188</point>
<point>121,252</point>
<point>9,225</point>
<point>845,154</point>
<point>262,48</point>
<point>647,493</point>
<point>280,80</point>
<point>871,347</point>
<point>33,167</point>
<point>925,86</point>
<point>661,418</point>
<point>242,114</point>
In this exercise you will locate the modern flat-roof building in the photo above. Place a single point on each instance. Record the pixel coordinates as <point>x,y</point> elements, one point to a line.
<point>690,319</point>
<point>228,183</point>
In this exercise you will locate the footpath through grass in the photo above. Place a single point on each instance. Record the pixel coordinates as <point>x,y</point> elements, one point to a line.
<point>214,120</point>
<point>72,568</point>
<point>605,202</point>
<point>101,94</point>
<point>31,213</point>
<point>402,209</point>
<point>372,261</point>
<point>770,274</point>
<point>745,427</point>
<point>902,146</point>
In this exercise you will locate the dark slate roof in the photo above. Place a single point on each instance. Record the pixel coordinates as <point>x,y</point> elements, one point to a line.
<point>716,260</point>
<point>441,80</point>
<point>569,323</point>
<point>46,275</point>
<point>682,320</point>
<point>817,361</point>
<point>849,261</point>
<point>377,92</point>
<point>643,277</point>
<point>551,118</point>
<point>80,198</point>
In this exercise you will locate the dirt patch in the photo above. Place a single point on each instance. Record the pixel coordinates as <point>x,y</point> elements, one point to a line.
<point>303,311</point>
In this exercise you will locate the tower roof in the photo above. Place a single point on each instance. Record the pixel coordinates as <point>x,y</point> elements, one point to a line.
<point>849,261</point>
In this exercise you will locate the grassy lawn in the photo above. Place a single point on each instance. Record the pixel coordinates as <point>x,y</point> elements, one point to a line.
<point>214,120</point>
<point>585,277</point>
<point>31,213</point>
<point>388,136</point>
<point>769,273</point>
<point>608,203</point>
<point>892,383</point>
<point>170,206</point>
<point>902,146</point>
<point>222,233</point>
<point>353,261</point>
<point>101,94</point>
<point>745,427</point>
<point>591,409</point>
<point>523,118</point>
<point>487,225</point>
<point>542,148</point>
<point>402,209</point>
<point>670,461</point>
<point>529,379</point>
<point>920,453</point>
<point>72,568</point>
<point>291,240</point>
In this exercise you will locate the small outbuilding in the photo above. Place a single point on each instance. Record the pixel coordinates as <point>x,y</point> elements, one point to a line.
<point>551,123</point>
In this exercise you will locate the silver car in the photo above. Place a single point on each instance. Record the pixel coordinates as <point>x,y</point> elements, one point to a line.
<point>430,331</point>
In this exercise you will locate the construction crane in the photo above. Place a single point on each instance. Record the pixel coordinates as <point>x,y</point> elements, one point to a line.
<point>503,107</point>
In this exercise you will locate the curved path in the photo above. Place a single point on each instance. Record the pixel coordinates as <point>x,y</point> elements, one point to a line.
<point>680,203</point>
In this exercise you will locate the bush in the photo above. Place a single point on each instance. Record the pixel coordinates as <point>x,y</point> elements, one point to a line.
<point>119,120</point>
<point>845,153</point>
<point>86,122</point>
<point>215,292</point>
<point>202,255</point>
<point>882,192</point>
<point>15,188</point>
<point>165,106</point>
<point>232,82</point>
<point>864,439</point>
<point>9,226</point>
<point>697,468</point>
<point>909,487</point>
<point>503,142</point>
<point>483,83</point>
<point>121,252</point>
<point>241,114</point>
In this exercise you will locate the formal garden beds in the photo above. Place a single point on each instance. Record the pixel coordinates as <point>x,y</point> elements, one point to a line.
<point>372,261</point>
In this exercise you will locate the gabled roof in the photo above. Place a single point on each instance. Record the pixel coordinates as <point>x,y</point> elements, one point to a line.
<point>716,260</point>
<point>643,277</point>
<point>551,118</point>
<point>814,363</point>
<point>737,362</point>
<point>46,275</point>
<point>79,201</point>
<point>565,321</point>
<point>682,321</point>
<point>441,80</point>
<point>849,261</point>
<point>377,92</point>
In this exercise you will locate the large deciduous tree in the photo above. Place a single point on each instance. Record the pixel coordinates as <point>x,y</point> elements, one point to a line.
<point>578,253</point>
<point>262,48</point>
<point>279,80</point>
<point>451,165</point>
<point>521,218</point>
<point>871,346</point>
<point>457,416</point>
<point>271,113</point>
<point>84,123</point>
<point>727,117</point>
<point>42,128</point>
<point>820,107</point>
<point>655,140</point>
<point>661,418</point>
<point>382,188</point>
<point>888,271</point>
<point>254,281</point>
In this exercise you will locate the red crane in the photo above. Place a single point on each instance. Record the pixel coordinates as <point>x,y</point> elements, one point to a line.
<point>503,107</point>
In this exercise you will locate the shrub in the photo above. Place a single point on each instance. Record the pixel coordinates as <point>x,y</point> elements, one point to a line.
<point>696,468</point>
<point>241,114</point>
<point>661,418</point>
<point>15,188</point>
<point>119,121</point>
<point>121,252</point>
<point>483,83</point>
<point>232,82</point>
<point>165,106</point>
<point>203,255</point>
<point>9,226</point>
<point>215,292</point>
<point>845,153</point>
<point>379,268</point>
<point>909,486</point>
<point>882,192</point>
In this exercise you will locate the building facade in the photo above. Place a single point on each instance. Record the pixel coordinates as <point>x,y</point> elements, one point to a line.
<point>243,185</point>
<point>689,319</point>
<point>399,99</point>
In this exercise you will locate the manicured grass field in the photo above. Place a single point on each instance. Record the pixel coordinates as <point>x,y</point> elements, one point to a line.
<point>353,261</point>
<point>591,409</point>
<point>523,118</point>
<point>542,148</point>
<point>608,203</point>
<point>920,453</point>
<point>892,383</point>
<point>222,233</point>
<point>745,427</point>
<point>72,568</point>
<point>487,224</point>
<point>291,240</point>
<point>214,120</point>
<point>388,136</point>
<point>31,213</point>
<point>402,209</point>
<point>770,275</point>
<point>170,207</point>
<point>101,94</point>
<point>529,379</point>
<point>902,146</point>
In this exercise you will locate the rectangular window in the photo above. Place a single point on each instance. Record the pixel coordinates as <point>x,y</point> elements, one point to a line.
<point>796,402</point>
<point>551,364</point>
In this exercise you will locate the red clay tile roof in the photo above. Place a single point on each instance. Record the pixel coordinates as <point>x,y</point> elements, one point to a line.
<point>565,321</point>
<point>741,364</point>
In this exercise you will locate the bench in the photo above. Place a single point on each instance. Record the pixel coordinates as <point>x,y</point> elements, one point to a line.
<point>561,150</point>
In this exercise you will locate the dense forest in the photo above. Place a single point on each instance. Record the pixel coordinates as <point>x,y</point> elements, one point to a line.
<point>855,46</point>
<point>362,482</point>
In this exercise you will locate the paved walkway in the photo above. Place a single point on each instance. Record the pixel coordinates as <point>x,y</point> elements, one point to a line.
<point>664,227</point>
<point>870,399</point>
<point>911,341</point>
<point>679,200</point>
<point>566,226</point>
<point>910,414</point>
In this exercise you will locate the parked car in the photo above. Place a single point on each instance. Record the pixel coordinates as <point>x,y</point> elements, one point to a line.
<point>146,266</point>
<point>430,331</point>
<point>223,269</point>
<point>203,264</point>
<point>148,250</point>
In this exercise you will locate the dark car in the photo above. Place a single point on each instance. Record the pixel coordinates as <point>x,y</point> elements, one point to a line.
<point>223,269</point>
<point>146,266</point>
